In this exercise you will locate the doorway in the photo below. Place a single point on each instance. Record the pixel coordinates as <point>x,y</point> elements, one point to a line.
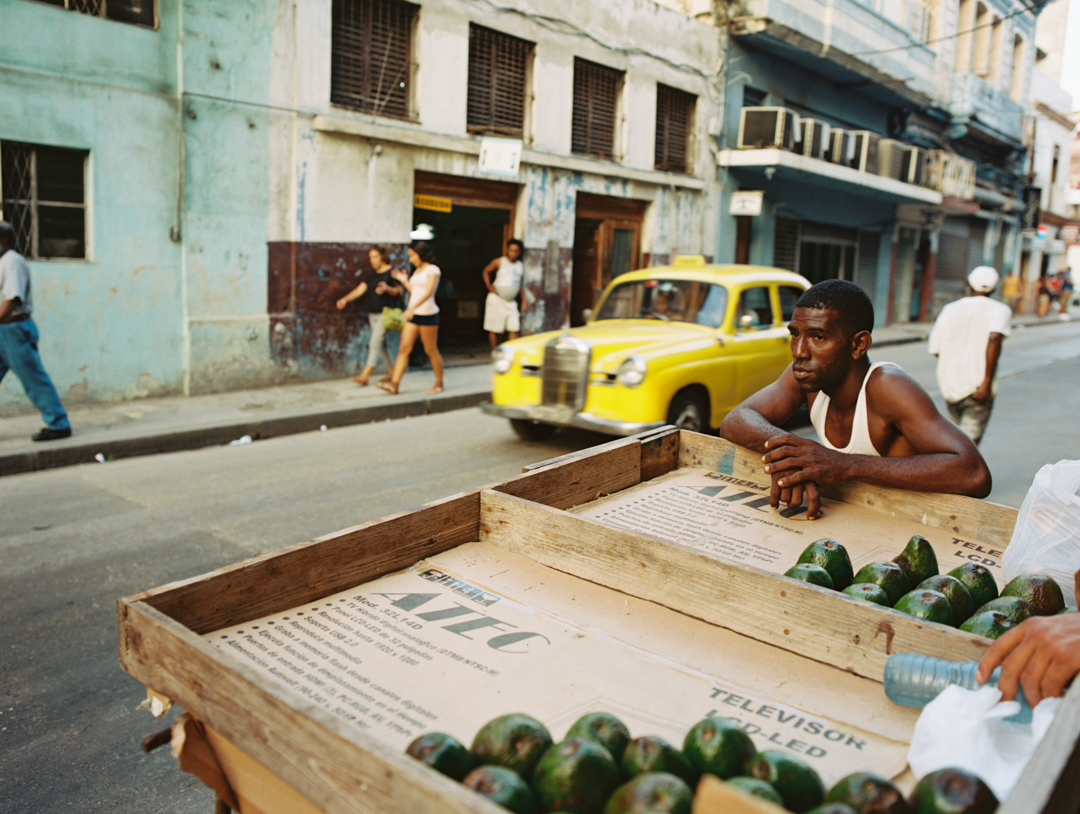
<point>826,261</point>
<point>607,243</point>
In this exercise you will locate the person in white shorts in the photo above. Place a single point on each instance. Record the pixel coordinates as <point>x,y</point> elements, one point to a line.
<point>501,309</point>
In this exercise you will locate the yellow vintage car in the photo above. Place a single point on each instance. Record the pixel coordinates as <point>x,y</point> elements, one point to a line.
<point>680,344</point>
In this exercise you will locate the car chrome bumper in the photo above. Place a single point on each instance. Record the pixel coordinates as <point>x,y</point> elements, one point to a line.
<point>567,418</point>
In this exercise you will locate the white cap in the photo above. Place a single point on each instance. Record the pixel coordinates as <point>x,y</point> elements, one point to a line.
<point>983,279</point>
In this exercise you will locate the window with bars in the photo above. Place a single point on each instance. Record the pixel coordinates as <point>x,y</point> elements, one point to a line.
<point>137,12</point>
<point>43,193</point>
<point>596,100</point>
<point>498,67</point>
<point>674,125</point>
<point>371,56</point>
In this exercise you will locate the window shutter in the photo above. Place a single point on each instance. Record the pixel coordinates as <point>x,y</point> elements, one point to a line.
<point>370,56</point>
<point>497,87</point>
<point>674,118</point>
<point>596,91</point>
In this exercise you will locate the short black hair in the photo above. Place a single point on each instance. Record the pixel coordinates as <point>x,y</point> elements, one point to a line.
<point>424,250</point>
<point>515,242</point>
<point>847,299</point>
<point>7,233</point>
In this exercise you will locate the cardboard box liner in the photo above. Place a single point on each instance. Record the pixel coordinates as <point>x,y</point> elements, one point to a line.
<point>477,632</point>
<point>730,518</point>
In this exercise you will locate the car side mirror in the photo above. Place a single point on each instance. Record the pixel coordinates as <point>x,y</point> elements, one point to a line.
<point>747,322</point>
<point>586,314</point>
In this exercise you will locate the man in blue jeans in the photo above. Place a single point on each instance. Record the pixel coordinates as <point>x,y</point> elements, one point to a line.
<point>19,338</point>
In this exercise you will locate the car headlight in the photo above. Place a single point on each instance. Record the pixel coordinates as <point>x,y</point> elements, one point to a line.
<point>502,358</point>
<point>632,371</point>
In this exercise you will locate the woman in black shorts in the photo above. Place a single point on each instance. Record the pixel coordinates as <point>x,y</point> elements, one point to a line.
<point>421,317</point>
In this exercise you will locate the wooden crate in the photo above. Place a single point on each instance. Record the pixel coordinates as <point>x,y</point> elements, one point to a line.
<point>278,734</point>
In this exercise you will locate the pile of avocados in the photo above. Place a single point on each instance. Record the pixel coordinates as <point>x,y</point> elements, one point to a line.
<point>599,769</point>
<point>967,597</point>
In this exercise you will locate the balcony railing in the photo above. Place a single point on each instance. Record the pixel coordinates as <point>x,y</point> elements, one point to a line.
<point>974,96</point>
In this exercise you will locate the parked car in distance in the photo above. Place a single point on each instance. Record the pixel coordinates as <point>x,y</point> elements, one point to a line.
<point>681,344</point>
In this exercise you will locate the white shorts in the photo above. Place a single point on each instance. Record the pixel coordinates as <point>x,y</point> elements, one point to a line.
<point>500,316</point>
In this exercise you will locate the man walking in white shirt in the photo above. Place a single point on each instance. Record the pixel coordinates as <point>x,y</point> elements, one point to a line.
<point>967,340</point>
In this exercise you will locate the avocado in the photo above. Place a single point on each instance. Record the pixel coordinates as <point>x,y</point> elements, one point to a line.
<point>503,786</point>
<point>515,741</point>
<point>1038,590</point>
<point>831,556</point>
<point>808,572</point>
<point>718,746</point>
<point>955,592</point>
<point>1066,609</point>
<point>797,784</point>
<point>867,793</point>
<point>442,752</point>
<point>758,788</point>
<point>576,776</point>
<point>952,791</point>
<point>917,559</point>
<point>978,580</point>
<point>1012,606</point>
<point>651,793</point>
<point>605,729</point>
<point>990,624</point>
<point>652,754</point>
<point>867,591</point>
<point>832,808</point>
<point>929,605</point>
<point>889,576</point>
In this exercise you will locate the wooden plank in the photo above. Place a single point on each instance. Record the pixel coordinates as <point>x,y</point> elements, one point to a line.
<point>814,622</point>
<point>576,479</point>
<point>330,762</point>
<point>965,517</point>
<point>714,796</point>
<point>303,573</point>
<point>659,452</point>
<point>1051,783</point>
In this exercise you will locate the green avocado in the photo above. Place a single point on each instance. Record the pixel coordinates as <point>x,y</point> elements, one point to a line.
<point>605,729</point>
<point>503,786</point>
<point>867,793</point>
<point>651,793</point>
<point>929,605</point>
<point>718,746</point>
<point>652,754</point>
<point>1012,606</point>
<point>867,591</point>
<point>576,776</point>
<point>808,572</point>
<point>889,576</point>
<point>1038,590</point>
<point>978,580</point>
<point>797,784</point>
<point>832,808</point>
<point>442,752</point>
<point>954,590</point>
<point>917,559</point>
<point>952,791</point>
<point>515,741</point>
<point>831,556</point>
<point>758,788</point>
<point>990,624</point>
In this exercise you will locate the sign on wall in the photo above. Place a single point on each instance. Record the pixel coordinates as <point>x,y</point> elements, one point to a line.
<point>500,156</point>
<point>431,202</point>
<point>747,202</point>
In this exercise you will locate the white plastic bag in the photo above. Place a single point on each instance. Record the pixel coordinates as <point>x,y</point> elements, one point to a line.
<point>967,729</point>
<point>1046,539</point>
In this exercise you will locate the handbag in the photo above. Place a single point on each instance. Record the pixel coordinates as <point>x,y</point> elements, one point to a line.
<point>392,319</point>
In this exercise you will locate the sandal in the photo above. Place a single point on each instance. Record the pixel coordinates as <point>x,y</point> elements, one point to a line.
<point>363,380</point>
<point>436,389</point>
<point>388,387</point>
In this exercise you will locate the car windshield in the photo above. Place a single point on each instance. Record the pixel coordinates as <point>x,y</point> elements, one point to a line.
<point>668,300</point>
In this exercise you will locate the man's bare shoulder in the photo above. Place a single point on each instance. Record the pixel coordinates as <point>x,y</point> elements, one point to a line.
<point>891,388</point>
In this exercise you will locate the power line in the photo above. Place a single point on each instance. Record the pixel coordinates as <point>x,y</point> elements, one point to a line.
<point>957,35</point>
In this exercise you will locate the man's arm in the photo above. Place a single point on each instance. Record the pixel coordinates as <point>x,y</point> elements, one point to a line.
<point>6,307</point>
<point>993,353</point>
<point>944,459</point>
<point>1042,654</point>
<point>490,267</point>
<point>756,420</point>
<point>356,293</point>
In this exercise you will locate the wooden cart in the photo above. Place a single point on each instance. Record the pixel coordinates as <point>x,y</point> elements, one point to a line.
<point>279,750</point>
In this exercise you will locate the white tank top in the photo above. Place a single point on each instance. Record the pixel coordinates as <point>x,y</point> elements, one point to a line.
<point>860,443</point>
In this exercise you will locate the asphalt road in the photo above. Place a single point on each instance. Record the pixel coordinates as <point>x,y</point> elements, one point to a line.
<point>74,540</point>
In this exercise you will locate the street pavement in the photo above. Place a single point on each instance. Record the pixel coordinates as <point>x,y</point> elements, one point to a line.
<point>172,423</point>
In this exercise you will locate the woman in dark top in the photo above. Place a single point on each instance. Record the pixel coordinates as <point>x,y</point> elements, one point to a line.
<point>385,293</point>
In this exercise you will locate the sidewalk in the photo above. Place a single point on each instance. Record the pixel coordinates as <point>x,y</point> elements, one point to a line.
<point>172,423</point>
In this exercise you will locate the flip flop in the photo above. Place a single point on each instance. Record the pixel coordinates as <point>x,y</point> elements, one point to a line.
<point>389,388</point>
<point>436,389</point>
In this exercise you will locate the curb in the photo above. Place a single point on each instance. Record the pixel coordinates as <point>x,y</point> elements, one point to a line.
<point>219,435</point>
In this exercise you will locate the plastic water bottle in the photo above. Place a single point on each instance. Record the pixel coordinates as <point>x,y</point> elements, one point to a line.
<point>914,680</point>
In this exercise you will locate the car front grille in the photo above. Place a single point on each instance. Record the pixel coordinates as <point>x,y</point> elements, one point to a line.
<point>566,373</point>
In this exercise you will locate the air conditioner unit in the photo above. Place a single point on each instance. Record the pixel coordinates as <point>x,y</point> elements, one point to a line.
<point>866,151</point>
<point>912,167</point>
<point>815,138</point>
<point>950,174</point>
<point>768,127</point>
<point>841,148</point>
<point>891,155</point>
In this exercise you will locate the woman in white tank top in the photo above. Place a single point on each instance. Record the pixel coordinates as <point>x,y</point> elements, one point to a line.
<point>421,317</point>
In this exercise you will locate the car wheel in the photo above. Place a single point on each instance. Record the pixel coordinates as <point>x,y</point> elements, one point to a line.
<point>531,430</point>
<point>688,411</point>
